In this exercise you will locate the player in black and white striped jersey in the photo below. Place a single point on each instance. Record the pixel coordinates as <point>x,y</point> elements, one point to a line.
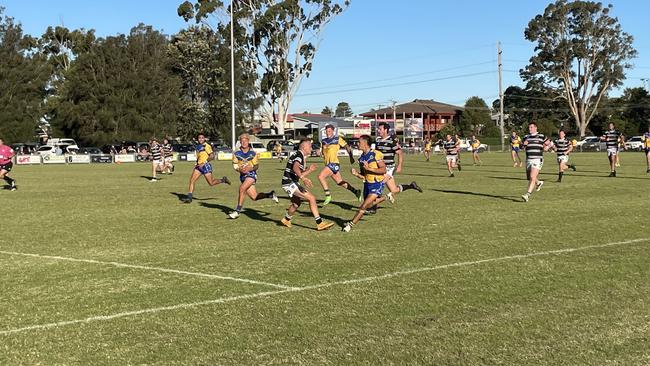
<point>168,156</point>
<point>535,144</point>
<point>451,148</point>
<point>612,138</point>
<point>563,148</point>
<point>156,156</point>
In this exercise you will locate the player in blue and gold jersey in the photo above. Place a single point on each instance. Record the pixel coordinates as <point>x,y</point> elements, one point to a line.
<point>204,155</point>
<point>330,147</point>
<point>515,146</point>
<point>372,170</point>
<point>646,149</point>
<point>246,162</point>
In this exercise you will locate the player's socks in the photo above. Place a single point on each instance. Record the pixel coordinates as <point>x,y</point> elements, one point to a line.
<point>573,167</point>
<point>261,196</point>
<point>238,208</point>
<point>328,197</point>
<point>349,187</point>
<point>9,180</point>
<point>318,220</point>
<point>559,176</point>
<point>188,198</point>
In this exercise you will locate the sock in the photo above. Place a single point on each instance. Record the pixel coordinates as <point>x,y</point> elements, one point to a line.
<point>261,196</point>
<point>287,216</point>
<point>405,187</point>
<point>349,187</point>
<point>319,220</point>
<point>327,192</point>
<point>238,208</point>
<point>559,176</point>
<point>189,195</point>
<point>8,179</point>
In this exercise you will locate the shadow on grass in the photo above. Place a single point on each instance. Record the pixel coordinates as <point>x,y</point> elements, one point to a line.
<point>468,193</point>
<point>251,213</point>
<point>508,178</point>
<point>150,177</point>
<point>182,196</point>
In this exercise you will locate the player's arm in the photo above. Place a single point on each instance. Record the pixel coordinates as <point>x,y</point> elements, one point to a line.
<point>349,150</point>
<point>547,145</point>
<point>400,158</point>
<point>570,149</point>
<point>381,168</point>
<point>357,174</point>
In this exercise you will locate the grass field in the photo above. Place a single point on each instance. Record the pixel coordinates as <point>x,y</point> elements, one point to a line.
<point>100,266</point>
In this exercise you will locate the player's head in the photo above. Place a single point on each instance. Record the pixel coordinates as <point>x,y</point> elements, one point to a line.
<point>562,133</point>
<point>305,146</point>
<point>244,140</point>
<point>532,127</point>
<point>200,138</point>
<point>382,129</point>
<point>329,130</point>
<point>513,133</point>
<point>165,141</point>
<point>448,137</point>
<point>154,140</point>
<point>473,137</point>
<point>611,126</point>
<point>364,142</point>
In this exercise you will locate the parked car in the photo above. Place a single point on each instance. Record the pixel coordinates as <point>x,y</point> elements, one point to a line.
<point>89,151</point>
<point>219,147</point>
<point>287,146</point>
<point>46,150</point>
<point>183,148</point>
<point>587,139</point>
<point>592,143</point>
<point>634,143</point>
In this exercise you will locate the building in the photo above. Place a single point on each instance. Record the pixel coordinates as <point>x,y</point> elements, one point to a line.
<point>435,115</point>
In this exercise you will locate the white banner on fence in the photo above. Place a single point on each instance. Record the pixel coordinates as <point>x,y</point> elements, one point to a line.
<point>79,159</point>
<point>28,159</point>
<point>220,156</point>
<point>192,157</point>
<point>125,158</point>
<point>54,159</point>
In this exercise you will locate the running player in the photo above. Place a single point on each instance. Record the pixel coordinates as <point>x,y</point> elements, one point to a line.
<point>535,144</point>
<point>296,171</point>
<point>389,149</point>
<point>330,147</point>
<point>515,143</point>
<point>621,148</point>
<point>612,138</point>
<point>646,144</point>
<point>458,150</point>
<point>475,144</point>
<point>563,147</point>
<point>277,149</point>
<point>246,162</point>
<point>156,155</point>
<point>371,170</point>
<point>168,156</point>
<point>451,152</point>
<point>204,155</point>
<point>427,148</point>
<point>6,154</point>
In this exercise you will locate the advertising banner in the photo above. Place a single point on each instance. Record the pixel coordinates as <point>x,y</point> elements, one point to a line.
<point>54,159</point>
<point>125,158</point>
<point>101,159</point>
<point>414,128</point>
<point>224,156</point>
<point>362,127</point>
<point>79,159</point>
<point>28,159</point>
<point>266,155</point>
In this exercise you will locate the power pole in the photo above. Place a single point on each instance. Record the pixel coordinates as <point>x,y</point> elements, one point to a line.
<point>232,73</point>
<point>501,122</point>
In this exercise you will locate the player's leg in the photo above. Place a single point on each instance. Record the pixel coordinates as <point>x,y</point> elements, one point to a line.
<point>611,155</point>
<point>322,178</point>
<point>154,165</point>
<point>368,202</point>
<point>196,174</point>
<point>313,206</point>
<point>647,159</point>
<point>4,175</point>
<point>338,179</point>
<point>212,181</point>
<point>255,196</point>
<point>291,210</point>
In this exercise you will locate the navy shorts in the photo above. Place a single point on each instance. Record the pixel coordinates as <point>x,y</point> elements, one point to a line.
<point>7,166</point>
<point>205,169</point>
<point>375,188</point>
<point>335,168</point>
<point>515,149</point>
<point>243,177</point>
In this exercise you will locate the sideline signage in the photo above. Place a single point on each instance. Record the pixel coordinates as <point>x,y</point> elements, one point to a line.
<point>54,159</point>
<point>28,159</point>
<point>103,159</point>
<point>79,159</point>
<point>125,158</point>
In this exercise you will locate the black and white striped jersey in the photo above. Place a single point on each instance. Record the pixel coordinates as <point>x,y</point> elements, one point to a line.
<point>156,152</point>
<point>450,147</point>
<point>562,146</point>
<point>168,151</point>
<point>289,175</point>
<point>611,139</point>
<point>535,146</point>
<point>388,147</point>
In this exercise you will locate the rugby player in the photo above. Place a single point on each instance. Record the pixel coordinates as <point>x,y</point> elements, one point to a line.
<point>612,138</point>
<point>156,155</point>
<point>330,147</point>
<point>296,171</point>
<point>475,143</point>
<point>6,154</point>
<point>204,155</point>
<point>451,151</point>
<point>390,149</point>
<point>515,143</point>
<point>646,145</point>
<point>246,162</point>
<point>535,144</point>
<point>427,149</point>
<point>371,170</point>
<point>168,156</point>
<point>563,147</point>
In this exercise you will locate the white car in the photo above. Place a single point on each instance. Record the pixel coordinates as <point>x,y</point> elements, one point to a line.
<point>634,143</point>
<point>586,139</point>
<point>46,150</point>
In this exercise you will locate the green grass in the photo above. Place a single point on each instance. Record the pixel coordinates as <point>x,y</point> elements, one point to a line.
<point>586,307</point>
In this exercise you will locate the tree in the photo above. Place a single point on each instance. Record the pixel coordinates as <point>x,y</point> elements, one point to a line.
<point>522,105</point>
<point>281,41</point>
<point>475,116</point>
<point>24,74</point>
<point>327,111</point>
<point>581,53</point>
<point>343,110</point>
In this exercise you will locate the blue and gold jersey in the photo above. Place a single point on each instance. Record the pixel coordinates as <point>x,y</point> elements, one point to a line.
<point>372,157</point>
<point>331,147</point>
<point>203,152</point>
<point>646,138</point>
<point>515,141</point>
<point>242,159</point>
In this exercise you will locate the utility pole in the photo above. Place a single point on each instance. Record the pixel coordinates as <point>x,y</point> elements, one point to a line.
<point>393,103</point>
<point>232,72</point>
<point>501,122</point>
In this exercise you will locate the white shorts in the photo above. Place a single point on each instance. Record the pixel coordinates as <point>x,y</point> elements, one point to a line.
<point>452,158</point>
<point>157,162</point>
<point>292,188</point>
<point>168,159</point>
<point>612,151</point>
<point>534,164</point>
<point>390,170</point>
<point>563,159</point>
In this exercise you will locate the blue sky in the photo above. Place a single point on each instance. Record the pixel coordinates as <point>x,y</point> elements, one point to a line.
<point>378,50</point>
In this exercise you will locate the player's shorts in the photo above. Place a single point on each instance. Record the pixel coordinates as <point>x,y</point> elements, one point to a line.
<point>475,150</point>
<point>452,158</point>
<point>157,162</point>
<point>7,166</point>
<point>169,159</point>
<point>647,150</point>
<point>427,150</point>
<point>515,149</point>
<point>292,188</point>
<point>612,151</point>
<point>253,175</point>
<point>390,170</point>
<point>375,188</point>
<point>335,168</point>
<point>534,164</point>
<point>205,169</point>
<point>563,159</point>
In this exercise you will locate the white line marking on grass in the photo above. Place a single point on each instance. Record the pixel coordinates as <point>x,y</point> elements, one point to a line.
<point>312,287</point>
<point>146,268</point>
